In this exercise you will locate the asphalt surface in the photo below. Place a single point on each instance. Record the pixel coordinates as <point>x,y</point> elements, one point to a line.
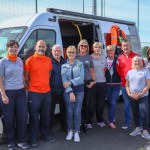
<point>97,138</point>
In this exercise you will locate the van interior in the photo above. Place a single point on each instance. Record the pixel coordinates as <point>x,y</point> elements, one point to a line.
<point>73,31</point>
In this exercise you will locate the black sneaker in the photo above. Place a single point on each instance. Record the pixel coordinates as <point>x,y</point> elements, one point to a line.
<point>34,143</point>
<point>49,139</point>
<point>12,147</point>
<point>84,128</point>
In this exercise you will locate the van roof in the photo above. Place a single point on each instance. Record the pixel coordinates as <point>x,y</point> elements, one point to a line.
<point>25,20</point>
<point>71,13</point>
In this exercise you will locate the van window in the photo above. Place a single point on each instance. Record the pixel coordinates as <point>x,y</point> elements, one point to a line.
<point>8,34</point>
<point>49,36</point>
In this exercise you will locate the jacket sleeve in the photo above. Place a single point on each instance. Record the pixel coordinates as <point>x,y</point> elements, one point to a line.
<point>118,68</point>
<point>64,78</point>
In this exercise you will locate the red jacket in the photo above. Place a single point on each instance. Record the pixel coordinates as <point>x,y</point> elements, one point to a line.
<point>124,65</point>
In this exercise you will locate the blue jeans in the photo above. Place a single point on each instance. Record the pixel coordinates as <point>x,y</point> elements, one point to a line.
<point>15,115</point>
<point>112,97</point>
<point>73,110</point>
<point>126,101</point>
<point>140,109</point>
<point>39,113</point>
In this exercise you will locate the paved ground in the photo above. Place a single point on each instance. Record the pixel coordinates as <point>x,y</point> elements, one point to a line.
<point>97,138</point>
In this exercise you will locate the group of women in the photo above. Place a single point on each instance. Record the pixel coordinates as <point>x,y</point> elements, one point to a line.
<point>101,80</point>
<point>84,78</point>
<point>87,80</point>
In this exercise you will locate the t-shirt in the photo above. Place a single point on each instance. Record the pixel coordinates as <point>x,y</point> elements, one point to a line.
<point>88,63</point>
<point>12,73</point>
<point>109,66</point>
<point>99,66</point>
<point>39,68</point>
<point>137,80</point>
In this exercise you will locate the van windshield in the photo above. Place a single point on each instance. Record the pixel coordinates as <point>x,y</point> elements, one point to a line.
<point>7,34</point>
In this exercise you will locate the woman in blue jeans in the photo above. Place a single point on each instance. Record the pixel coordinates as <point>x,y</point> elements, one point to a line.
<point>137,85</point>
<point>73,81</point>
<point>113,82</point>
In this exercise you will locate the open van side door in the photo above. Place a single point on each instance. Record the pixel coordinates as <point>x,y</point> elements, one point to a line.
<point>134,39</point>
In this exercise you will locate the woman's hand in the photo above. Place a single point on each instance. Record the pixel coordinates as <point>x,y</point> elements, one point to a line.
<point>66,84</point>
<point>5,99</point>
<point>72,97</point>
<point>91,84</point>
<point>136,96</point>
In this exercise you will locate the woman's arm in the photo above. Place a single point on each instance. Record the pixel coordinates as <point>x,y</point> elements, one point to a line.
<point>92,73</point>
<point>5,99</point>
<point>66,83</point>
<point>27,77</point>
<point>146,88</point>
<point>128,90</point>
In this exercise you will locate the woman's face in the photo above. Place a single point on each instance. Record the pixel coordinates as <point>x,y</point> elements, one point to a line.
<point>83,48</point>
<point>136,63</point>
<point>110,53</point>
<point>12,50</point>
<point>71,54</point>
<point>97,49</point>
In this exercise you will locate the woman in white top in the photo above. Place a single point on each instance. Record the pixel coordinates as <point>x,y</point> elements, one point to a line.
<point>137,85</point>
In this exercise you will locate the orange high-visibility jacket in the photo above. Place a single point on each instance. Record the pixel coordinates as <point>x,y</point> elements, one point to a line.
<point>116,34</point>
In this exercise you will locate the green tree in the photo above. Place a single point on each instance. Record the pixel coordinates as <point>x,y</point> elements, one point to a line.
<point>144,50</point>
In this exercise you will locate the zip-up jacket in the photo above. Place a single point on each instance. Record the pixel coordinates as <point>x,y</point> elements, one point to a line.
<point>114,78</point>
<point>124,65</point>
<point>75,74</point>
<point>56,79</point>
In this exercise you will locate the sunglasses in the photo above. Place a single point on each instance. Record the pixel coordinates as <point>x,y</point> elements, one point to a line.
<point>109,50</point>
<point>83,46</point>
<point>71,52</point>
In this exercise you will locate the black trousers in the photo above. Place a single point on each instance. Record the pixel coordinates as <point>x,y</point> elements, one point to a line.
<point>57,98</point>
<point>97,102</point>
<point>140,109</point>
<point>86,103</point>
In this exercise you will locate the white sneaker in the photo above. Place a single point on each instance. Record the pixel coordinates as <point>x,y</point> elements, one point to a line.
<point>102,124</point>
<point>89,126</point>
<point>69,136</point>
<point>135,132</point>
<point>76,137</point>
<point>146,135</point>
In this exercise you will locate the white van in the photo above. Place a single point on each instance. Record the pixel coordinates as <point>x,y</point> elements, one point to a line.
<point>64,28</point>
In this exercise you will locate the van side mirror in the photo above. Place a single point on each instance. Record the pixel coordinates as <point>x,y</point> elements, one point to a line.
<point>27,53</point>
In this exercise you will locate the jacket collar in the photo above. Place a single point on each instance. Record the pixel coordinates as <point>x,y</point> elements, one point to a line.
<point>62,60</point>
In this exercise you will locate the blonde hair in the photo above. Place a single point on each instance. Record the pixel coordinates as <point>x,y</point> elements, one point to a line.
<point>137,58</point>
<point>80,43</point>
<point>97,43</point>
<point>71,47</point>
<point>110,47</point>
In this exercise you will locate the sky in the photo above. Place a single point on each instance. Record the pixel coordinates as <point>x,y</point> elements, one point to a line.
<point>122,9</point>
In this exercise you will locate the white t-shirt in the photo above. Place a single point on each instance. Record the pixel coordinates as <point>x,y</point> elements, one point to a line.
<point>137,80</point>
<point>109,65</point>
